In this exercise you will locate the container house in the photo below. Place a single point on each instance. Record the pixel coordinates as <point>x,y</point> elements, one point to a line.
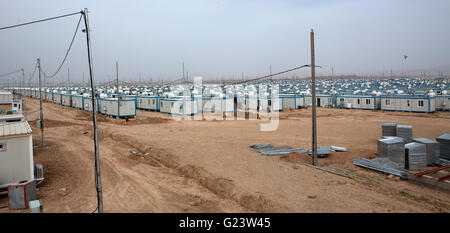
<point>148,102</point>
<point>117,108</point>
<point>408,103</point>
<point>179,106</point>
<point>357,102</point>
<point>16,153</point>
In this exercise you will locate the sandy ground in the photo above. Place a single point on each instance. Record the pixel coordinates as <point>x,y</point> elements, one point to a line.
<point>207,166</point>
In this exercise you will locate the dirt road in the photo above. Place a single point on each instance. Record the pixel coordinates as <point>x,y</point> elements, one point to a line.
<point>207,166</point>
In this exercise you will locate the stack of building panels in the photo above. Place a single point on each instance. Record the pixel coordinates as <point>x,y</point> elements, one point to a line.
<point>416,156</point>
<point>392,148</point>
<point>405,132</point>
<point>444,141</point>
<point>432,149</point>
<point>389,129</point>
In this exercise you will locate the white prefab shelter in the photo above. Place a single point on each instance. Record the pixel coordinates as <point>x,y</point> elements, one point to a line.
<point>6,97</point>
<point>148,102</point>
<point>77,101</point>
<point>87,101</point>
<point>292,101</point>
<point>179,106</point>
<point>16,153</point>
<point>321,101</point>
<point>117,108</point>
<point>215,104</point>
<point>443,102</point>
<point>357,102</point>
<point>56,98</point>
<point>268,104</point>
<point>48,96</point>
<point>408,103</point>
<point>66,100</point>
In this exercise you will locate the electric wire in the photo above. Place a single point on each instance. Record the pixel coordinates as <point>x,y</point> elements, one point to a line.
<point>271,75</point>
<point>68,50</point>
<point>16,71</point>
<point>40,20</point>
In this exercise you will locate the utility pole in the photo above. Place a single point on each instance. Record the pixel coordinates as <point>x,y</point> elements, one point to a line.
<point>98,182</point>
<point>270,71</point>
<point>183,72</point>
<point>117,83</point>
<point>41,121</point>
<point>68,78</point>
<point>313,80</point>
<point>23,95</point>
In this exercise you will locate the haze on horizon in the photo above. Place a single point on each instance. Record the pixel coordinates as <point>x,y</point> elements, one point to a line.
<point>225,38</point>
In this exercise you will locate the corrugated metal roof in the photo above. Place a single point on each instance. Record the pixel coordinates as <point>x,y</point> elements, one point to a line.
<point>11,116</point>
<point>14,128</point>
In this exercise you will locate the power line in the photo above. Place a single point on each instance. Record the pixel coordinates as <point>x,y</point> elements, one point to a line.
<point>10,73</point>
<point>271,75</point>
<point>68,50</point>
<point>38,21</point>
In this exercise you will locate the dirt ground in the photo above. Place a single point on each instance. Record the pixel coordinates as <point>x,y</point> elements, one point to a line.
<point>207,166</point>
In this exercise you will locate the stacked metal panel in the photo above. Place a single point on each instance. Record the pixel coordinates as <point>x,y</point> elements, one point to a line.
<point>392,148</point>
<point>432,149</point>
<point>389,129</point>
<point>444,141</point>
<point>416,155</point>
<point>405,132</point>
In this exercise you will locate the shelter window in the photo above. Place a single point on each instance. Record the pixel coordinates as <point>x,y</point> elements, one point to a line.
<point>358,101</point>
<point>367,101</point>
<point>408,103</point>
<point>388,102</point>
<point>420,103</point>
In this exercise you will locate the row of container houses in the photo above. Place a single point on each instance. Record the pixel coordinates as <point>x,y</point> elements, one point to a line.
<point>192,105</point>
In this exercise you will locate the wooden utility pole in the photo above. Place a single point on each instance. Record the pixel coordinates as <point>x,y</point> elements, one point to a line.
<point>313,88</point>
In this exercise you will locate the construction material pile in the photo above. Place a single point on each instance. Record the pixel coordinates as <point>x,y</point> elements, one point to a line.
<point>374,165</point>
<point>392,148</point>
<point>444,141</point>
<point>389,129</point>
<point>405,132</point>
<point>432,149</point>
<point>416,156</point>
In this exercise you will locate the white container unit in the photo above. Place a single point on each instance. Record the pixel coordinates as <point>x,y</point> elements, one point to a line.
<point>56,98</point>
<point>87,103</point>
<point>48,96</point>
<point>179,106</point>
<point>321,101</point>
<point>16,153</point>
<point>443,102</point>
<point>357,102</point>
<point>117,108</point>
<point>215,104</point>
<point>268,104</point>
<point>77,101</point>
<point>148,102</point>
<point>408,103</point>
<point>66,100</point>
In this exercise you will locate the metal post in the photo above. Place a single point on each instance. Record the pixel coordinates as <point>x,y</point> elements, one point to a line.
<point>313,88</point>
<point>183,72</point>
<point>23,95</point>
<point>40,103</point>
<point>98,182</point>
<point>118,98</point>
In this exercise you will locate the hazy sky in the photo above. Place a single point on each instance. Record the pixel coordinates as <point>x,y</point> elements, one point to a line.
<point>223,38</point>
